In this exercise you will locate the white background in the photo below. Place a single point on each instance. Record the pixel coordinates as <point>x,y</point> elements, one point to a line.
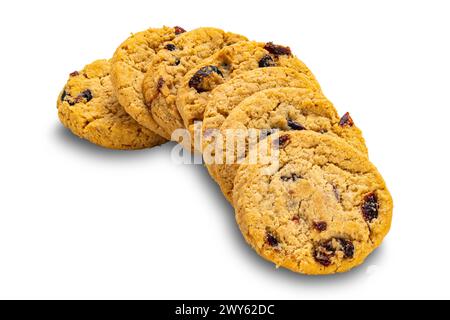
<point>78,221</point>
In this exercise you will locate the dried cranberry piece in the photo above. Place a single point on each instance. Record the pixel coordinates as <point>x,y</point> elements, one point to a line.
<point>320,226</point>
<point>266,61</point>
<point>370,207</point>
<point>201,74</point>
<point>277,50</point>
<point>64,95</point>
<point>283,141</point>
<point>74,74</point>
<point>293,177</point>
<point>346,121</point>
<point>170,47</point>
<point>264,133</point>
<point>161,83</point>
<point>329,246</point>
<point>347,248</point>
<point>295,125</point>
<point>179,30</point>
<point>322,258</point>
<point>324,252</point>
<point>272,240</point>
<point>86,94</point>
<point>226,65</point>
<point>65,98</point>
<point>337,194</point>
<point>296,218</point>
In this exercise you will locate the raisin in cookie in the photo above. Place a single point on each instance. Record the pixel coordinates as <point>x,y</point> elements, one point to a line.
<point>172,63</point>
<point>323,211</point>
<point>285,109</point>
<point>196,87</point>
<point>88,107</point>
<point>227,96</point>
<point>129,65</point>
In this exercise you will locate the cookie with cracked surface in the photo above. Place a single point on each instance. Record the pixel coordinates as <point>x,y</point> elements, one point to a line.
<point>88,107</point>
<point>227,96</point>
<point>129,66</point>
<point>196,87</point>
<point>172,63</point>
<point>285,109</point>
<point>323,211</point>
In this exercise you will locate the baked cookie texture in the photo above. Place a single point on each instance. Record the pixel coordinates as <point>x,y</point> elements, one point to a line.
<point>88,107</point>
<point>322,211</point>
<point>227,96</point>
<point>317,207</point>
<point>168,67</point>
<point>285,109</point>
<point>129,66</point>
<point>195,90</point>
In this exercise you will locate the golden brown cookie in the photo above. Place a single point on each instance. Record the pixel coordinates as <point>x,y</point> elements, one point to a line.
<point>285,109</point>
<point>322,210</point>
<point>88,107</point>
<point>129,66</point>
<point>227,96</point>
<point>170,65</point>
<point>196,87</point>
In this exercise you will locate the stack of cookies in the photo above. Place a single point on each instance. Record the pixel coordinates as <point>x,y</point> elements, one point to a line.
<point>319,207</point>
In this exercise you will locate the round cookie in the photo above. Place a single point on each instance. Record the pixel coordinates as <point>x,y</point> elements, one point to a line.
<point>323,211</point>
<point>196,87</point>
<point>285,109</point>
<point>129,65</point>
<point>172,63</point>
<point>227,96</point>
<point>88,107</point>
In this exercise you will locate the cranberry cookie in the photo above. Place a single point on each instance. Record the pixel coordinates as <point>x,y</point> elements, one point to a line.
<point>285,109</point>
<point>323,211</point>
<point>88,107</point>
<point>195,91</point>
<point>129,65</point>
<point>227,96</point>
<point>170,65</point>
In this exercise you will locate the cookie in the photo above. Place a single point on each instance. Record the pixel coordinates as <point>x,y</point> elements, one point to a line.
<point>285,109</point>
<point>227,96</point>
<point>129,65</point>
<point>88,107</point>
<point>196,87</point>
<point>172,63</point>
<point>322,211</point>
